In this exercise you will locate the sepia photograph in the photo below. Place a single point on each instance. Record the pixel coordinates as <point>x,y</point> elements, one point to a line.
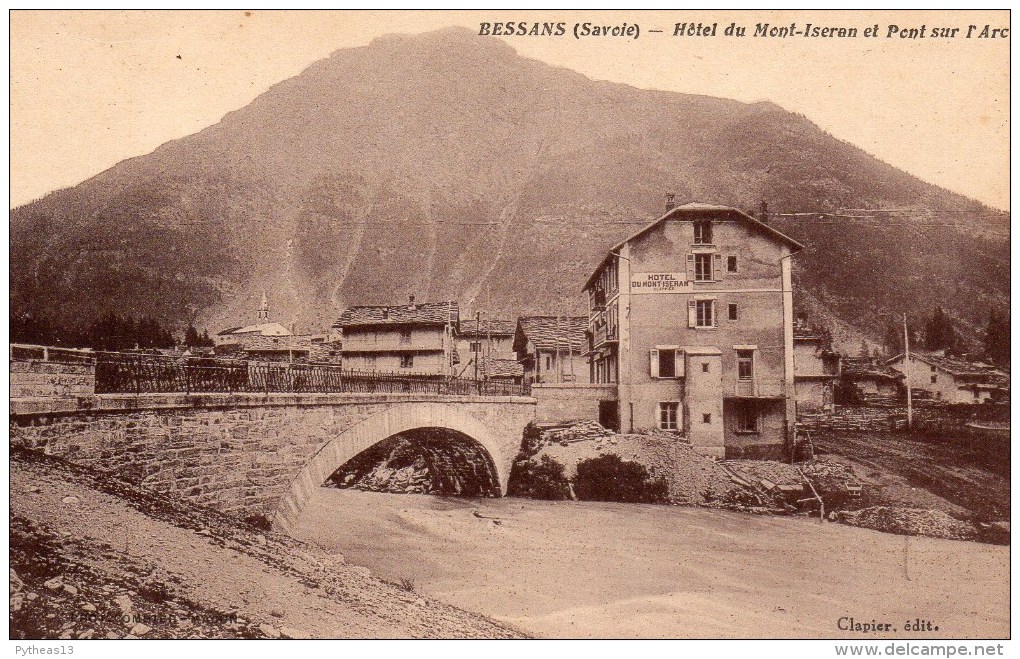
<point>510,324</point>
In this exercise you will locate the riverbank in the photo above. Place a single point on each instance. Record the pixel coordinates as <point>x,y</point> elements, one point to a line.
<point>92,557</point>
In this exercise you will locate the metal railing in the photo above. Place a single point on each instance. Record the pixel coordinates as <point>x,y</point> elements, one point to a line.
<point>130,373</point>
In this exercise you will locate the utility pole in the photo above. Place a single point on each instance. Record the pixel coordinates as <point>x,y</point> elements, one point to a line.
<point>478,339</point>
<point>906,369</point>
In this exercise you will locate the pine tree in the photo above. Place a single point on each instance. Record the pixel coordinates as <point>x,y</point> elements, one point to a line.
<point>997,339</point>
<point>938,331</point>
<point>191,338</point>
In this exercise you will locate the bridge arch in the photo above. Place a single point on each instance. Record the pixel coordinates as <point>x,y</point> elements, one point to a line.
<point>394,420</point>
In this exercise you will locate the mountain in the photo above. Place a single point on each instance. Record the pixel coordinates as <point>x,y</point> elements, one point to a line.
<point>447,166</point>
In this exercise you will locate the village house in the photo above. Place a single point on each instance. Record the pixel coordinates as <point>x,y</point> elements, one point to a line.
<point>409,339</point>
<point>691,318</point>
<point>480,339</point>
<point>951,380</point>
<point>815,370</point>
<point>551,348</point>
<point>871,383</point>
<point>498,368</point>
<point>273,342</point>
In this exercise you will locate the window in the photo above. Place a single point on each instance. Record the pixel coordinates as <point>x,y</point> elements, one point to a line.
<point>704,367</point>
<point>746,418</point>
<point>733,311</point>
<point>703,267</point>
<point>406,361</point>
<point>706,418</point>
<point>731,264</point>
<point>745,364</point>
<point>705,318</point>
<point>668,413</point>
<point>476,346</point>
<point>703,233</point>
<point>934,379</point>
<point>548,362</point>
<point>405,337</point>
<point>666,362</point>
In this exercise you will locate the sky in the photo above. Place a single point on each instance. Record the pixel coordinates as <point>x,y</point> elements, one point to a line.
<point>89,89</point>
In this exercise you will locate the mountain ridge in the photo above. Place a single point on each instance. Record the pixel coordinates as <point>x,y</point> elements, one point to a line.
<point>448,166</point>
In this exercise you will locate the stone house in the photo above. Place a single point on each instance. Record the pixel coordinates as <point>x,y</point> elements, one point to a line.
<point>499,368</point>
<point>815,371</point>
<point>951,380</point>
<point>691,321</point>
<point>874,383</point>
<point>551,348</point>
<point>409,339</point>
<point>480,339</point>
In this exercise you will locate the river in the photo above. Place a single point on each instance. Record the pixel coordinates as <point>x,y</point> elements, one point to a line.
<point>576,570</point>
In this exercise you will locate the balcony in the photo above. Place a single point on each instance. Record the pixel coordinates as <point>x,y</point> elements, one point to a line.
<point>604,334</point>
<point>758,388</point>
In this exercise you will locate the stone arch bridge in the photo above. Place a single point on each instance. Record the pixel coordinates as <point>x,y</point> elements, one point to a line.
<point>252,453</point>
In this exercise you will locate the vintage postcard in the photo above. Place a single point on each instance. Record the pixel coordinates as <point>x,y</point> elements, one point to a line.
<point>511,324</point>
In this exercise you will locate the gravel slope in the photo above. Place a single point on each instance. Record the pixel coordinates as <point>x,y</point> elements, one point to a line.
<point>92,557</point>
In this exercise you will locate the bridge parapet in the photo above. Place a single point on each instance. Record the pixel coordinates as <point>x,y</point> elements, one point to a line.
<point>253,454</point>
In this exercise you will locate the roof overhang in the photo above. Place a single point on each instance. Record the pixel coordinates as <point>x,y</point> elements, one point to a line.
<point>696,209</point>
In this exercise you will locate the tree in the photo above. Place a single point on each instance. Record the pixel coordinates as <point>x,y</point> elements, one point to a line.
<point>997,339</point>
<point>939,333</point>
<point>893,336</point>
<point>191,338</point>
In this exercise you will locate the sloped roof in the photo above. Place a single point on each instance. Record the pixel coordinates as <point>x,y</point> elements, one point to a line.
<point>958,368</point>
<point>265,329</point>
<point>803,331</point>
<point>862,368</point>
<point>423,313</point>
<point>495,326</point>
<point>552,332</point>
<point>698,209</point>
<point>501,368</point>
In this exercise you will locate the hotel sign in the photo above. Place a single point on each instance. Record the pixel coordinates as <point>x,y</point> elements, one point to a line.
<point>658,282</point>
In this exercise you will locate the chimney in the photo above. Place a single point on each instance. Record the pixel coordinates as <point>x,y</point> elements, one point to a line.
<point>670,201</point>
<point>410,301</point>
<point>763,214</point>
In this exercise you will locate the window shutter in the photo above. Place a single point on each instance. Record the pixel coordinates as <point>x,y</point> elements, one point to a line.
<point>654,362</point>
<point>692,313</point>
<point>690,267</point>
<point>679,367</point>
<point>718,268</point>
<point>715,314</point>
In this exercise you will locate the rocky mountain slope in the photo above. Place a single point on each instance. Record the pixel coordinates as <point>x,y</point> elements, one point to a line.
<point>446,165</point>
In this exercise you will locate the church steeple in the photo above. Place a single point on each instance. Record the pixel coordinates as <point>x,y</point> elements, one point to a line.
<point>263,311</point>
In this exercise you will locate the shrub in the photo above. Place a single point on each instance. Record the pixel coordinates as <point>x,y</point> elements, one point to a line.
<point>545,479</point>
<point>608,478</point>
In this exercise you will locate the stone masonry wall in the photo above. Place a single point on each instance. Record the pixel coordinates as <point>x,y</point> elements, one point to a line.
<point>557,403</point>
<point>238,454</point>
<point>52,380</point>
